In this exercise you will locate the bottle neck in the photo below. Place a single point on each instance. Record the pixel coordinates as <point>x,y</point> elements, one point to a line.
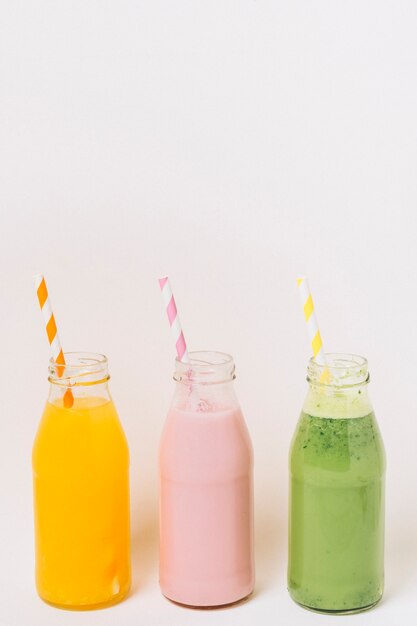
<point>338,388</point>
<point>204,398</point>
<point>85,374</point>
<point>95,390</point>
<point>205,383</point>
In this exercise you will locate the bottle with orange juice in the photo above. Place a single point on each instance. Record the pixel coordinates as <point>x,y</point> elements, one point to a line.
<point>81,489</point>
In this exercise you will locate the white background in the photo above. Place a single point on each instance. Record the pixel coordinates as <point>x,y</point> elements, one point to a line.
<point>231,145</point>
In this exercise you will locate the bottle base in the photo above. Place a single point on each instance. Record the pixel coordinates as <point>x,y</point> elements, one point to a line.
<point>360,609</point>
<point>88,607</point>
<point>210,607</point>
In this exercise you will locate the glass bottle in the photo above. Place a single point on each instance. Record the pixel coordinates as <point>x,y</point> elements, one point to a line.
<point>337,468</point>
<point>81,489</point>
<point>206,488</point>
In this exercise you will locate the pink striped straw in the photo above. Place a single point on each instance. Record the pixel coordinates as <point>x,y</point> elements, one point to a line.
<point>174,320</point>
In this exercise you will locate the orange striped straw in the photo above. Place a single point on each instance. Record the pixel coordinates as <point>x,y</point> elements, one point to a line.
<point>52,333</point>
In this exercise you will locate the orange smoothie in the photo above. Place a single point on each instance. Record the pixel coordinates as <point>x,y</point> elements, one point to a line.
<point>81,504</point>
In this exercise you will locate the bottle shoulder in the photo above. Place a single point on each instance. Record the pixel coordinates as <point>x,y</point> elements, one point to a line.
<point>87,433</point>
<point>205,445</point>
<point>335,448</point>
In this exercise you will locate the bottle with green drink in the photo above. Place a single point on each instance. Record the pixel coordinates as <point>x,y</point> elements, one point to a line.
<point>336,516</point>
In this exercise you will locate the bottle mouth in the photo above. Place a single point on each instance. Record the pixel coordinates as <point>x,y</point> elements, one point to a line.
<point>205,368</point>
<point>341,370</point>
<point>81,368</point>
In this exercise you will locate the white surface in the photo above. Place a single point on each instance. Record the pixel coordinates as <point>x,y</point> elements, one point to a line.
<point>231,145</point>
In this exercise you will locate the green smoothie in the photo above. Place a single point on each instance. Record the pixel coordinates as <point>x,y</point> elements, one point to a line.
<point>336,523</point>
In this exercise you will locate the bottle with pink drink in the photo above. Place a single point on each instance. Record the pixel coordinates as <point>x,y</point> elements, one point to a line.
<point>206,487</point>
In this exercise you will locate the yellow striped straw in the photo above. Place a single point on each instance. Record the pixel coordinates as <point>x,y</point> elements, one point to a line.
<point>312,324</point>
<point>52,333</point>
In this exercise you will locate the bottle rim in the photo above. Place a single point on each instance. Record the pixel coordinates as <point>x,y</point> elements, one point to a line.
<point>81,368</point>
<point>342,369</point>
<point>205,367</point>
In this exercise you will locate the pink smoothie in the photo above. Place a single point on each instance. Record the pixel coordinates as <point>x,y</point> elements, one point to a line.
<point>206,507</point>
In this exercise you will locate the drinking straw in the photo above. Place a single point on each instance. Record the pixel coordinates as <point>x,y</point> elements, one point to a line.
<point>312,325</point>
<point>174,320</point>
<point>52,333</point>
